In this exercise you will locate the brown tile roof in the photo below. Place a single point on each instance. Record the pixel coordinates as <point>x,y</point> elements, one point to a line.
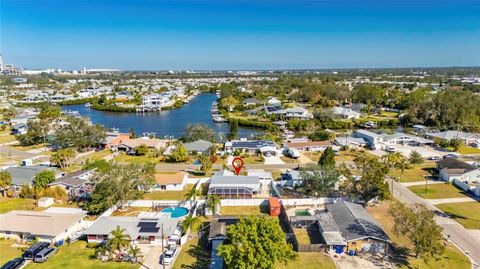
<point>170,178</point>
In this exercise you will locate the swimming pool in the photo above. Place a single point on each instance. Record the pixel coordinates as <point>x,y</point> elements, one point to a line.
<point>302,212</point>
<point>176,212</point>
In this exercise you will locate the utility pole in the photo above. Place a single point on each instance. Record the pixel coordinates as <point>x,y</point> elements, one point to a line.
<point>163,251</point>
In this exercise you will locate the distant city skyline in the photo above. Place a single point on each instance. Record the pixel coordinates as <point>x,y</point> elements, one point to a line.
<point>239,35</point>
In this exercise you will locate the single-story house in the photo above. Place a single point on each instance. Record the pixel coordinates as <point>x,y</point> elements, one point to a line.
<point>114,139</point>
<point>46,226</point>
<point>294,112</point>
<point>466,138</point>
<point>251,146</point>
<point>293,178</point>
<point>359,230</point>
<point>130,145</point>
<point>370,137</point>
<point>330,231</point>
<point>170,181</point>
<point>76,184</point>
<point>450,169</point>
<point>309,146</point>
<point>251,102</point>
<point>20,129</point>
<point>345,113</point>
<point>234,186</point>
<point>350,141</point>
<point>216,235</point>
<point>199,146</point>
<point>22,175</point>
<point>407,139</point>
<point>140,231</point>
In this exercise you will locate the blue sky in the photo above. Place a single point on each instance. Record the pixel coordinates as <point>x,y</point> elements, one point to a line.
<point>170,35</point>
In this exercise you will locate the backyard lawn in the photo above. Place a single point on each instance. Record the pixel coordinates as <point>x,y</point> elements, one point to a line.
<point>467,214</point>
<point>7,252</point>
<point>243,210</point>
<point>438,191</point>
<point>309,261</point>
<point>194,255</point>
<point>8,204</point>
<point>78,256</point>
<point>417,173</point>
<point>451,259</point>
<point>168,195</point>
<point>130,211</point>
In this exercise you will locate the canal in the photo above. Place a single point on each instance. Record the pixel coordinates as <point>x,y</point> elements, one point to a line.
<point>164,123</point>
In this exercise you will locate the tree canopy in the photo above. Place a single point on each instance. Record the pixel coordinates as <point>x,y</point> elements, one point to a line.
<point>327,158</point>
<point>319,180</point>
<point>43,178</point>
<point>194,132</point>
<point>255,243</point>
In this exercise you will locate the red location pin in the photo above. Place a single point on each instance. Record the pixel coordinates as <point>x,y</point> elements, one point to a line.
<point>237,164</point>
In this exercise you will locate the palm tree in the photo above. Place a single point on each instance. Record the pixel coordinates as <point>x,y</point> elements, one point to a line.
<point>212,202</point>
<point>402,165</point>
<point>190,223</point>
<point>192,194</point>
<point>119,240</point>
<point>134,251</point>
<point>392,160</point>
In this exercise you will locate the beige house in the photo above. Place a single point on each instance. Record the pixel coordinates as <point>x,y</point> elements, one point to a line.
<point>170,181</point>
<point>131,144</point>
<point>46,226</point>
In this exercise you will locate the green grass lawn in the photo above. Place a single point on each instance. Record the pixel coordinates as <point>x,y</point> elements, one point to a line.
<point>8,204</point>
<point>78,256</point>
<point>243,210</point>
<point>6,137</point>
<point>251,160</point>
<point>417,173</point>
<point>452,258</point>
<point>195,254</point>
<point>309,261</point>
<point>7,252</point>
<point>137,159</point>
<point>438,191</point>
<point>168,195</point>
<point>131,211</point>
<point>468,150</point>
<point>98,154</point>
<point>467,214</point>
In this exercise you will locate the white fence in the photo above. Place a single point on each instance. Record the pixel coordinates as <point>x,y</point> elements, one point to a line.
<point>243,202</point>
<point>193,180</point>
<point>151,203</point>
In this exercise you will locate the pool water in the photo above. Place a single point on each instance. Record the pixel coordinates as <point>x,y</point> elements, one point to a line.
<point>301,212</point>
<point>176,212</point>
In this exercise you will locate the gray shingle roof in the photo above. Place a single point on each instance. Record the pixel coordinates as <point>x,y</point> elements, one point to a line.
<point>199,145</point>
<point>24,174</point>
<point>354,222</point>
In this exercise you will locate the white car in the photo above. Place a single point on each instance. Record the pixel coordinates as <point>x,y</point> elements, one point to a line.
<point>390,149</point>
<point>168,256</point>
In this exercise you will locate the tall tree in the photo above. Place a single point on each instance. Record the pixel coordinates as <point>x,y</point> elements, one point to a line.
<point>43,178</point>
<point>62,156</point>
<point>206,164</point>
<point>179,154</point>
<point>194,132</point>
<point>190,222</point>
<point>256,243</point>
<point>418,225</point>
<point>118,239</point>
<point>192,194</point>
<point>415,158</point>
<point>80,134</point>
<point>233,129</point>
<point>5,181</point>
<point>327,159</point>
<point>212,203</point>
<point>319,181</point>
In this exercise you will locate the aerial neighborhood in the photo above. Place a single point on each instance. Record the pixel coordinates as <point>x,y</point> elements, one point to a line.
<point>168,170</point>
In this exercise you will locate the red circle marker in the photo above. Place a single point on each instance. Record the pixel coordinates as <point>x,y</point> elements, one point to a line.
<point>237,164</point>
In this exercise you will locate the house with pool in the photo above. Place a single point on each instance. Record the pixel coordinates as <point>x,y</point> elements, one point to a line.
<point>141,230</point>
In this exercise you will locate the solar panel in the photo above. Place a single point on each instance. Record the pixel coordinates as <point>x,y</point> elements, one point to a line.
<point>149,229</point>
<point>146,224</point>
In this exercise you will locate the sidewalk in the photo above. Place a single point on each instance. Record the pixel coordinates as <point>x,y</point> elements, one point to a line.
<point>452,200</point>
<point>417,183</point>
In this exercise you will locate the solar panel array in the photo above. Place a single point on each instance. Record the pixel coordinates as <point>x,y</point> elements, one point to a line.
<point>147,224</point>
<point>149,229</point>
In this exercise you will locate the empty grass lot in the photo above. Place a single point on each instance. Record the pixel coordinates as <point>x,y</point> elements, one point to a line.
<point>78,256</point>
<point>467,214</point>
<point>417,173</point>
<point>168,195</point>
<point>7,252</point>
<point>8,204</point>
<point>243,210</point>
<point>404,256</point>
<point>438,191</point>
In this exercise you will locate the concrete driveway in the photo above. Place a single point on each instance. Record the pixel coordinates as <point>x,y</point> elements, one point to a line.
<point>273,160</point>
<point>353,262</point>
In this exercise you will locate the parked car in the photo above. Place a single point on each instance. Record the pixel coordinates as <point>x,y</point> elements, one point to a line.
<point>293,153</point>
<point>453,156</point>
<point>45,254</point>
<point>435,158</point>
<point>168,256</point>
<point>14,264</point>
<point>30,253</point>
<point>371,147</point>
<point>390,149</point>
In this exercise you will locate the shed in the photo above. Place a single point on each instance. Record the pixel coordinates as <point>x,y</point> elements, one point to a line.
<point>45,201</point>
<point>275,206</point>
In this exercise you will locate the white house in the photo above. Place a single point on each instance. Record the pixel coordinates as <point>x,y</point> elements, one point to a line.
<point>345,113</point>
<point>466,138</point>
<point>234,186</point>
<point>46,226</point>
<point>450,169</point>
<point>170,181</point>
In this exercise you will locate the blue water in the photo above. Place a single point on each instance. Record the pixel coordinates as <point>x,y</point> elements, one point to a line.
<point>177,212</point>
<point>164,123</point>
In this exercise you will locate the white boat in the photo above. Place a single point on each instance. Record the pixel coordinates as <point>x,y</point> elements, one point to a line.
<point>88,105</point>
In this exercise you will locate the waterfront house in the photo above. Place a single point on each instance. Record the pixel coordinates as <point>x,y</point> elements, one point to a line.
<point>234,186</point>
<point>250,146</point>
<point>294,112</point>
<point>114,139</point>
<point>130,145</point>
<point>170,181</point>
<point>44,226</point>
<point>360,231</point>
<point>450,169</point>
<point>146,231</point>
<point>251,102</point>
<point>199,146</point>
<point>309,145</point>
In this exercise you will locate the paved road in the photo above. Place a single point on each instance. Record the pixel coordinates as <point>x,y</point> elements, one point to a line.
<point>183,167</point>
<point>15,153</point>
<point>458,234</point>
